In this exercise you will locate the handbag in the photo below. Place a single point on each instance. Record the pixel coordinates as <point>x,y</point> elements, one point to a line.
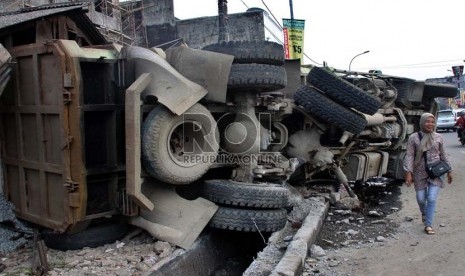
<point>435,169</point>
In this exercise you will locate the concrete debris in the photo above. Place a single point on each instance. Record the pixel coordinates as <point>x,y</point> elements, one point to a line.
<point>317,251</point>
<point>350,203</point>
<point>374,214</point>
<point>162,248</point>
<point>379,221</point>
<point>351,232</point>
<point>415,243</point>
<point>334,197</point>
<point>380,239</point>
<point>346,221</point>
<point>369,227</point>
<point>333,263</point>
<point>408,218</point>
<point>297,251</point>
<point>343,212</point>
<point>328,242</point>
<point>288,238</point>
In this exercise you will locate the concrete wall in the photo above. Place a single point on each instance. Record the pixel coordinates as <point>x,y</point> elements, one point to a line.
<point>158,18</point>
<point>199,32</point>
<point>14,5</point>
<point>162,27</point>
<point>8,5</point>
<point>157,12</point>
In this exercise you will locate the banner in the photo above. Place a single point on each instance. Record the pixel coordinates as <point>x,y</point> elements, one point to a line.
<point>293,30</point>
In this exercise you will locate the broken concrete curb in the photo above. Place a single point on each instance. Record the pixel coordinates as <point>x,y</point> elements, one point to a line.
<point>201,259</point>
<point>293,260</point>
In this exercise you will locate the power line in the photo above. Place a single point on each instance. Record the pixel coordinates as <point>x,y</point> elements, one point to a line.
<point>416,67</point>
<point>424,64</point>
<point>276,20</point>
<point>280,26</point>
<point>245,4</point>
<point>420,65</point>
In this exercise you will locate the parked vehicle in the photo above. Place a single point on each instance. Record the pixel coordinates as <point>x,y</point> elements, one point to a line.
<point>456,112</point>
<point>445,120</point>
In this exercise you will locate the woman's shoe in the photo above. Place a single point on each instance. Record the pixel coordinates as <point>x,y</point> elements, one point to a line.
<point>429,230</point>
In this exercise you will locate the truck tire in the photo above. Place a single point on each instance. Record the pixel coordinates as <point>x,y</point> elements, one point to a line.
<point>264,52</point>
<point>255,195</point>
<point>93,236</point>
<point>257,77</point>
<point>329,111</point>
<point>342,91</point>
<point>179,149</point>
<point>249,220</point>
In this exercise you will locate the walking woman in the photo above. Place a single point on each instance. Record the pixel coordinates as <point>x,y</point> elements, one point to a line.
<point>427,189</point>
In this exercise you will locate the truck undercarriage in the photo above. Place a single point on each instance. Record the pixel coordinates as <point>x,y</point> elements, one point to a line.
<point>121,127</point>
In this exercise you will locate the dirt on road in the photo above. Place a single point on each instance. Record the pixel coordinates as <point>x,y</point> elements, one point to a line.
<point>406,250</point>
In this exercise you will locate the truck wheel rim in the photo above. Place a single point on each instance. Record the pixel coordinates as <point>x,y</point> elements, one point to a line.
<point>185,144</point>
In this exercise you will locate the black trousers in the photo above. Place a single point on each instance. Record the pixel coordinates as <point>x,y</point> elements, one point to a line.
<point>459,132</point>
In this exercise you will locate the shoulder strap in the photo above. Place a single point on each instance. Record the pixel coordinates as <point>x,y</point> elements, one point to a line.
<point>420,136</point>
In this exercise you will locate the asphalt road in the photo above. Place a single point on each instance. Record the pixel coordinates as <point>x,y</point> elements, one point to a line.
<point>412,252</point>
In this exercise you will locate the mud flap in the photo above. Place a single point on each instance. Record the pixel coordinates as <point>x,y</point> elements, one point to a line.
<point>170,88</point>
<point>173,218</point>
<point>163,213</point>
<point>207,64</point>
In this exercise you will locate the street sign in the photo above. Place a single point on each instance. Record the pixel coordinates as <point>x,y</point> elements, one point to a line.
<point>293,30</point>
<point>457,70</point>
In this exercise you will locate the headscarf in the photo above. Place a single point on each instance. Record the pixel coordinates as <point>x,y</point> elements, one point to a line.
<point>427,139</point>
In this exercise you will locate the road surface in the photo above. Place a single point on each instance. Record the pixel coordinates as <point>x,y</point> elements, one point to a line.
<point>412,252</point>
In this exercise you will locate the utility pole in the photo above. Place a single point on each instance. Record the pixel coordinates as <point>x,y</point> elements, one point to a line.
<point>291,7</point>
<point>223,20</point>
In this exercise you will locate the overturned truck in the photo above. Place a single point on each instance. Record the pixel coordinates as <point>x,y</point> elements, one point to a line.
<point>99,133</point>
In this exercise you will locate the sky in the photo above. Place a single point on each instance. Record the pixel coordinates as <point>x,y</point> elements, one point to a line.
<point>418,39</point>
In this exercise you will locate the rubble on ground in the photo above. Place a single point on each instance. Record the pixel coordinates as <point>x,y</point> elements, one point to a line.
<point>369,226</point>
<point>366,225</point>
<point>13,233</point>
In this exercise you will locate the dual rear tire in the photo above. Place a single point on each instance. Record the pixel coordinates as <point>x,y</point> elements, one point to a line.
<point>335,101</point>
<point>247,207</point>
<point>250,207</point>
<point>257,65</point>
